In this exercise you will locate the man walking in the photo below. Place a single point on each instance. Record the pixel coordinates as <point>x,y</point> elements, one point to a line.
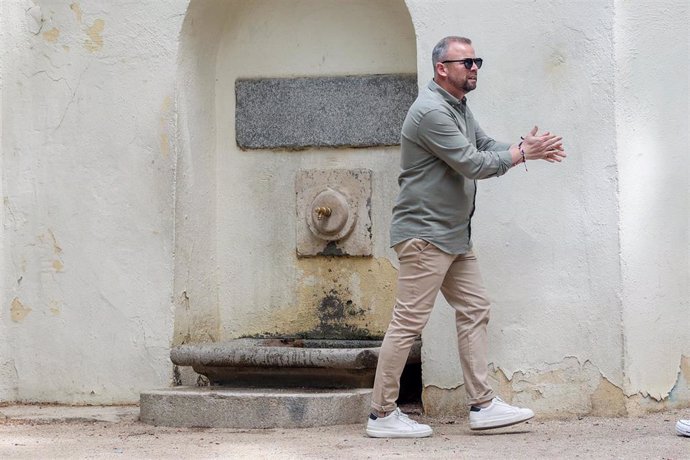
<point>443,153</point>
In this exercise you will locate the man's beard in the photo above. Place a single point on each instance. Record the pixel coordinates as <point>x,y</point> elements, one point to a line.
<point>466,85</point>
<point>469,85</point>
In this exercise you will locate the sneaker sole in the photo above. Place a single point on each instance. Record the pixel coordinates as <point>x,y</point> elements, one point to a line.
<point>499,424</point>
<point>682,429</point>
<point>397,434</point>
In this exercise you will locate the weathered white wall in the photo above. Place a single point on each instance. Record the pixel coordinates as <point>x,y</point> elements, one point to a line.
<point>8,384</point>
<point>548,239</point>
<point>653,106</point>
<point>105,103</point>
<point>88,158</point>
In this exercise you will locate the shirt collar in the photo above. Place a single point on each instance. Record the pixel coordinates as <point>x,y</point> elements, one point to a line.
<point>452,100</point>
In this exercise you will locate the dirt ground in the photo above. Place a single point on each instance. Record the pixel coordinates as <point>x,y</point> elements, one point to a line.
<point>38,432</point>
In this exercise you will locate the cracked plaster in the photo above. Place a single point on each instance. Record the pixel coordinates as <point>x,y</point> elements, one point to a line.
<point>567,388</point>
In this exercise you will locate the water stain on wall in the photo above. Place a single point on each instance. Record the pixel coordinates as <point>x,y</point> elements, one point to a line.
<point>337,298</point>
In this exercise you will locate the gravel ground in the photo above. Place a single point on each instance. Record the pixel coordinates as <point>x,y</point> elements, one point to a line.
<point>38,432</point>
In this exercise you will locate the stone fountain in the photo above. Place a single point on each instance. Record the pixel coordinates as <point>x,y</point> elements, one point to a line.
<point>312,363</point>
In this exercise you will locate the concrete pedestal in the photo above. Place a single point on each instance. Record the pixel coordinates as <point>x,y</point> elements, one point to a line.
<point>222,407</point>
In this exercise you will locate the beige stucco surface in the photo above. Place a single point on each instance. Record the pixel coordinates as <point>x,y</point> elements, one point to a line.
<point>131,220</point>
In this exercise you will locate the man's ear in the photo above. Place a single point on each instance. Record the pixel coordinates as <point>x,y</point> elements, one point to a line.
<point>441,69</point>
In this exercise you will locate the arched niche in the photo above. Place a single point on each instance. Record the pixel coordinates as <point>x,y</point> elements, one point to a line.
<point>236,269</point>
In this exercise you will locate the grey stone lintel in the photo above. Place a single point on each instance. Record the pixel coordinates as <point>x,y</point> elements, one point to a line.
<point>299,113</point>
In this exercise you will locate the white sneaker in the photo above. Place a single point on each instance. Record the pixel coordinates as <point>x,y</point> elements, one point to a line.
<point>396,425</point>
<point>683,428</point>
<point>498,414</point>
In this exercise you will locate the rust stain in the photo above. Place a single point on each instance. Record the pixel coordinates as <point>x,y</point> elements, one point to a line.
<point>77,11</point>
<point>52,35</point>
<point>58,265</point>
<point>336,297</point>
<point>95,40</point>
<point>18,311</point>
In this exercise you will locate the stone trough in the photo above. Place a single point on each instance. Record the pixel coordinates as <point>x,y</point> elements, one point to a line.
<point>287,362</point>
<point>271,383</point>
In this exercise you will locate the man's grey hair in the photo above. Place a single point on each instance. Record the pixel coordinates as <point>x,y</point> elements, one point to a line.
<point>441,49</point>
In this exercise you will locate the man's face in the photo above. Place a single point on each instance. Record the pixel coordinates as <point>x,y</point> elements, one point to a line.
<point>461,79</point>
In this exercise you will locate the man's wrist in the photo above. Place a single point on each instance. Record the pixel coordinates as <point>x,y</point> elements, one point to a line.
<point>522,152</point>
<point>515,155</point>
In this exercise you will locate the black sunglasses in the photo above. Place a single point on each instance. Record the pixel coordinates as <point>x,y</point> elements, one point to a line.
<point>467,62</point>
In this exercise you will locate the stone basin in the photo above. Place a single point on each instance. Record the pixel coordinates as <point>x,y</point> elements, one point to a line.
<point>286,362</point>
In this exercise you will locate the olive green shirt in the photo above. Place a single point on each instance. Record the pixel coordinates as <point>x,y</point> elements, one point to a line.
<point>443,152</point>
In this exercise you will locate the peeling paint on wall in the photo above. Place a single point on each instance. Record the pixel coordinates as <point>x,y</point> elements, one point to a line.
<point>37,15</point>
<point>678,396</point>
<point>18,311</point>
<point>608,400</point>
<point>95,41</point>
<point>571,387</point>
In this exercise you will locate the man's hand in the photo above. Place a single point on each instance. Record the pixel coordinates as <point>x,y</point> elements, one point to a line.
<point>544,146</point>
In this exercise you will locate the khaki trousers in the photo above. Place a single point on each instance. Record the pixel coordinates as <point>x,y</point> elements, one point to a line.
<point>424,270</point>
